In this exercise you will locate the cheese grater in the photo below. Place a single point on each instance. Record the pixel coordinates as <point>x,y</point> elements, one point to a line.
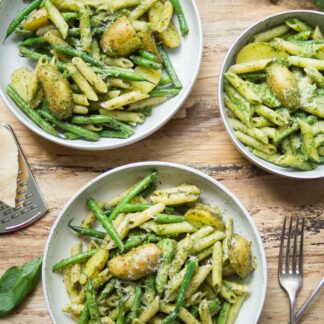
<point>30,204</point>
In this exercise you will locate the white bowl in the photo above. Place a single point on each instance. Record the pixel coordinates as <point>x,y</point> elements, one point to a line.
<point>186,61</point>
<point>113,182</point>
<point>313,18</point>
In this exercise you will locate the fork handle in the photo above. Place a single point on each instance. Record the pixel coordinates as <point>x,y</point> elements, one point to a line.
<point>292,303</point>
<point>309,300</point>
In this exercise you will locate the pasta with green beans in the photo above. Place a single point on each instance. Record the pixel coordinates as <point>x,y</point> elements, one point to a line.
<point>160,258</point>
<point>274,95</point>
<point>96,59</point>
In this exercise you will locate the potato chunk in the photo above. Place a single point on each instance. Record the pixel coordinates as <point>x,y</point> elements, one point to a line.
<point>57,91</point>
<point>36,20</point>
<point>283,84</point>
<point>240,256</point>
<point>137,263</point>
<point>120,38</point>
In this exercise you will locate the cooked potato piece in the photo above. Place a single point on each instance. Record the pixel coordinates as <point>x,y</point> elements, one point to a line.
<point>120,38</point>
<point>36,20</point>
<point>135,264</point>
<point>57,91</point>
<point>154,76</point>
<point>258,51</point>
<point>240,256</point>
<point>148,43</point>
<point>176,196</point>
<point>170,37</point>
<point>25,82</point>
<point>203,215</point>
<point>284,84</point>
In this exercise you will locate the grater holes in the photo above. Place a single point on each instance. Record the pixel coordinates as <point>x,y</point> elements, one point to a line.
<point>15,216</point>
<point>5,220</point>
<point>34,207</point>
<point>7,212</point>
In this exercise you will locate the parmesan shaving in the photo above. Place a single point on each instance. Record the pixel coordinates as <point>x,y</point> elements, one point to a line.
<point>8,167</point>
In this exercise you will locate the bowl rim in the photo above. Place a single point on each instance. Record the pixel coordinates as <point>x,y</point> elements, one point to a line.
<point>93,146</point>
<point>152,164</point>
<point>240,147</point>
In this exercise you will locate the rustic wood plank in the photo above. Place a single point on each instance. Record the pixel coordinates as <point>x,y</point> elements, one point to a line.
<point>198,137</point>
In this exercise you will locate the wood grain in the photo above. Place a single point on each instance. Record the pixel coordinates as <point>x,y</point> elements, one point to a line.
<point>199,140</point>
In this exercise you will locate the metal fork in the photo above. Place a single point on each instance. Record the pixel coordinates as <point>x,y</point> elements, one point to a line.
<point>290,270</point>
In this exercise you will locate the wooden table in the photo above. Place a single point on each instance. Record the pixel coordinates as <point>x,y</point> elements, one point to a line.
<point>197,139</point>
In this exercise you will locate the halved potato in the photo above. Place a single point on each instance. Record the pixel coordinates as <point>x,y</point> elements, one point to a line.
<point>36,20</point>
<point>148,43</point>
<point>57,91</point>
<point>120,38</point>
<point>202,215</point>
<point>170,37</point>
<point>240,255</point>
<point>258,51</point>
<point>284,84</point>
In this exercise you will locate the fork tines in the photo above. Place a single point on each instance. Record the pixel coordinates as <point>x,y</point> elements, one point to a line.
<point>293,262</point>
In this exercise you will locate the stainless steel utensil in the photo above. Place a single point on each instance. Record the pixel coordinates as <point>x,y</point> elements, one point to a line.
<point>290,270</point>
<point>30,204</point>
<point>309,300</point>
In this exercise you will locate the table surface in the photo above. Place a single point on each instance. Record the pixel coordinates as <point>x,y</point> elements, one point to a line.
<point>198,137</point>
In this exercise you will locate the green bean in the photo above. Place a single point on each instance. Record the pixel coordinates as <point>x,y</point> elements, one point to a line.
<point>168,248</point>
<point>95,31</point>
<point>133,208</point>
<point>150,290</point>
<point>136,303</point>
<point>24,33</point>
<point>26,52</point>
<point>105,222</point>
<point>21,16</point>
<point>194,311</point>
<point>164,92</point>
<point>121,312</point>
<point>147,55</point>
<point>70,127</point>
<point>181,17</point>
<point>106,70</point>
<point>214,306</point>
<point>191,267</point>
<point>284,133</point>
<point>165,80</point>
<point>222,318</point>
<point>110,286</point>
<point>87,231</point>
<point>137,188</point>
<point>71,136</point>
<point>85,315</point>
<point>33,41</point>
<point>114,134</point>
<point>92,304</point>
<point>141,61</point>
<point>120,73</point>
<point>168,219</point>
<point>254,77</point>
<point>29,111</point>
<point>75,53</point>
<point>74,259</point>
<point>169,67</point>
<point>148,190</point>
<point>100,119</point>
<point>70,15</point>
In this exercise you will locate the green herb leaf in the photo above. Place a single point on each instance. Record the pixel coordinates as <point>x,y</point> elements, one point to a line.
<point>320,4</point>
<point>17,283</point>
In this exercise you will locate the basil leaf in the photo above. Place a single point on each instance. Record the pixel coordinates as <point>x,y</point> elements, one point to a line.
<point>320,4</point>
<point>17,283</point>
